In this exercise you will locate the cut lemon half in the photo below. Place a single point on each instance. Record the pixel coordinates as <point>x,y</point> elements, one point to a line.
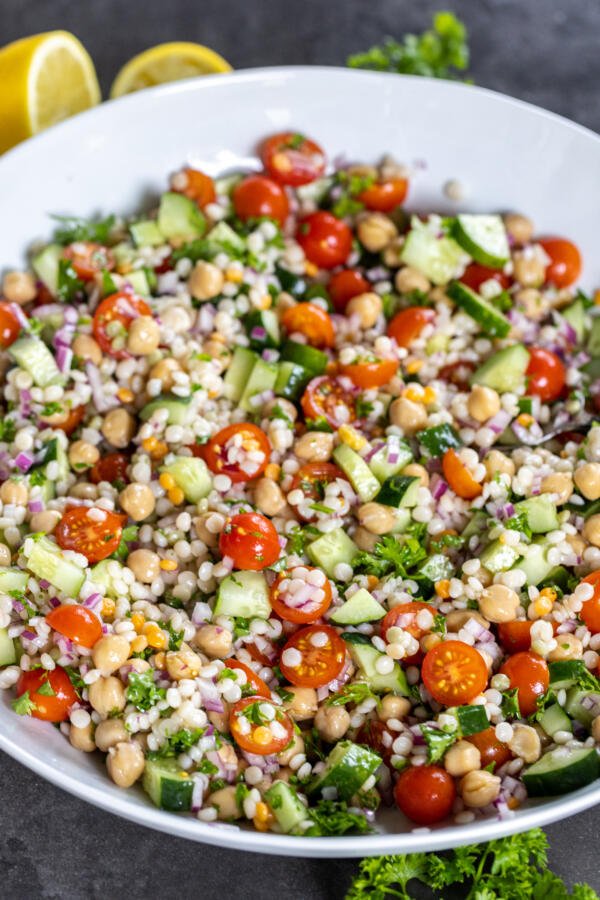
<point>167,62</point>
<point>44,79</point>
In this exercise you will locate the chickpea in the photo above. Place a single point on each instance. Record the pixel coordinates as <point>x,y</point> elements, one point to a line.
<point>220,720</point>
<point>367,307</point>
<point>6,555</point>
<point>364,540</point>
<point>568,646</point>
<point>224,801</point>
<point>163,371</point>
<point>393,707</point>
<point>55,420</point>
<point>19,287</point>
<point>143,337</point>
<point>533,303</point>
<point>499,603</point>
<point>82,738</point>
<point>206,281</point>
<point>125,763</point>
<point>458,618</point>
<point>376,517</point>
<point>118,427</point>
<point>596,729</point>
<point>559,483</point>
<point>288,409</point>
<point>82,455</point>
<point>417,471</point>
<point>528,269</point>
<point>218,352</point>
<point>392,255</point>
<point>576,543</point>
<point>479,788</point>
<point>45,521</point>
<point>84,490</point>
<point>314,446</point>
<point>86,348</point>
<point>214,641</point>
<point>496,463</point>
<point>525,743</point>
<point>483,403</point>
<point>107,694</point>
<point>303,704</point>
<point>587,479</point>
<point>375,231</point>
<point>518,227</point>
<point>409,279</point>
<point>183,663</point>
<point>110,653</point>
<point>145,565</point>
<point>210,538</point>
<point>296,746</point>
<point>137,664</point>
<point>332,722</point>
<point>408,415</point>
<point>591,530</point>
<point>268,497</point>
<point>14,493</point>
<point>461,758</point>
<point>428,641</point>
<point>137,500</point>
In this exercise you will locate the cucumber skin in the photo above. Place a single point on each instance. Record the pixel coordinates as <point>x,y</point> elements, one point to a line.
<point>504,371</point>
<point>581,771</point>
<point>490,319</point>
<point>167,787</point>
<point>462,236</point>
<point>356,762</point>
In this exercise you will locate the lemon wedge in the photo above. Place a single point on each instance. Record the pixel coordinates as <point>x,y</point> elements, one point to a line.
<point>167,62</point>
<point>44,79</point>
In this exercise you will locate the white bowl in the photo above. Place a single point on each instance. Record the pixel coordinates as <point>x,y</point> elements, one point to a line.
<point>506,154</point>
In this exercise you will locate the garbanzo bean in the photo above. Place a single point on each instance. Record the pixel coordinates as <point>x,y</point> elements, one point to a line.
<point>376,517</point>
<point>499,603</point>
<point>367,307</point>
<point>525,743</point>
<point>118,427</point>
<point>587,479</point>
<point>125,763</point>
<point>214,641</point>
<point>461,758</point>
<point>364,540</point>
<point>85,490</point>
<point>218,352</point>
<point>45,521</point>
<point>560,484</point>
<point>163,371</point>
<point>107,695</point>
<point>210,538</point>
<point>145,565</point>
<point>19,287</point>
<point>82,455</point>
<point>143,337</point>
<point>86,348</point>
<point>568,646</point>
<point>408,279</point>
<point>314,446</point>
<point>296,746</point>
<point>110,653</point>
<point>408,415</point>
<point>268,497</point>
<point>528,269</point>
<point>393,707</point>
<point>415,470</point>
<point>14,493</point>
<point>483,403</point>
<point>533,303</point>
<point>391,256</point>
<point>518,227</point>
<point>284,406</point>
<point>375,231</point>
<point>224,801</point>
<point>458,618</point>
<point>206,281</point>
<point>138,501</point>
<point>591,530</point>
<point>497,463</point>
<point>332,722</point>
<point>110,732</point>
<point>303,703</point>
<point>183,663</point>
<point>479,788</point>
<point>5,554</point>
<point>82,738</point>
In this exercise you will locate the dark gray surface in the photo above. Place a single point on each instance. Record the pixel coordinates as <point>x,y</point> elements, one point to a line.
<point>544,51</point>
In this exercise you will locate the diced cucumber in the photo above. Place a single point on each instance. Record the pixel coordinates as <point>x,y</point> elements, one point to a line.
<point>167,785</point>
<point>493,322</point>
<point>437,343</point>
<point>583,706</point>
<point>402,519</point>
<point>226,183</point>
<point>315,191</point>
<point>286,806</point>
<point>262,379</point>
<point>54,452</point>
<point>146,234</point>
<point>291,380</point>
<point>45,266</point>
<point>47,561</point>
<point>505,370</point>
<point>311,359</point>
<point>331,549</point>
<point>359,474</point>
<point>535,562</point>
<point>179,218</point>
<point>438,439</point>
<point>483,237</point>
<point>31,354</point>
<point>244,595</point>
<point>593,345</point>
<point>101,576</point>
<point>191,475</point>
<point>498,557</point>
<point>540,512</point>
<point>439,258</point>
<point>472,719</point>
<point>346,769</point>
<point>179,409</point>
<point>238,373</point>
<point>12,580</point>
<point>225,239</point>
<point>8,651</point>
<point>365,656</point>
<point>262,327</point>
<point>361,607</point>
<point>290,282</point>
<point>390,459</point>
<point>437,567</point>
<point>577,317</point>
<point>554,719</point>
<point>139,282</point>
<point>565,672</point>
<point>399,490</point>
<point>561,770</point>
<point>477,524</point>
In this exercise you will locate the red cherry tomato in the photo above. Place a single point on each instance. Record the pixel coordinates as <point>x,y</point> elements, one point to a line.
<point>345,285</point>
<point>196,185</point>
<point>458,476</point>
<point>250,540</point>
<point>57,697</point>
<point>96,540</point>
<point>257,196</point>
<point>425,794</point>
<point>457,373</point>
<point>326,240</point>
<point>384,196</point>
<point>405,616</point>
<point>78,623</point>
<point>564,267</point>
<point>367,375</point>
<point>491,749</point>
<point>475,275</point>
<point>74,418</point>
<point>590,611</point>
<point>515,636</point>
<point>258,686</point>
<point>316,656</point>
<point>270,736</point>
<point>111,468</point>
<point>312,479</point>
<point>454,673</point>
<point>327,398</point>
<point>292,158</point>
<point>528,673</point>
<point>89,259</point>
<point>122,307</point>
<point>546,374</point>
<point>267,654</point>
<point>227,452</point>
<point>311,321</point>
<point>407,325</point>
<point>10,326</point>
<point>301,595</point>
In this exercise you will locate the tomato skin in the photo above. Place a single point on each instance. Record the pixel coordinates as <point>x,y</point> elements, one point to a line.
<point>10,327</point>
<point>95,540</point>
<point>457,373</point>
<point>311,321</point>
<point>259,687</point>
<point>403,609</point>
<point>320,664</point>
<point>111,468</point>
<point>322,397</point>
<point>122,307</point>
<point>325,239</point>
<point>297,614</point>
<point>384,196</point>
<point>198,187</point>
<point>345,285</point>
<point>491,749</point>
<point>313,476</point>
<point>249,741</point>
<point>425,794</point>
<point>253,439</point>
<point>49,708</point>
<point>268,656</point>
<point>258,196</point>
<point>407,325</point>
<point>250,540</point>
<point>89,259</point>
<point>565,261</point>
<point>515,636</point>
<point>292,158</point>
<point>475,275</point>
<point>590,611</point>
<point>454,673</point>
<point>369,375</point>
<point>458,476</point>
<point>78,623</point>
<point>75,418</point>
<point>528,673</point>
<point>546,374</point>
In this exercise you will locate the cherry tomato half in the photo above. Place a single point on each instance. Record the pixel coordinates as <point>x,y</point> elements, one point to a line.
<point>312,479</point>
<point>78,623</point>
<point>274,732</point>
<point>57,697</point>
<point>384,196</point>
<point>454,672</point>
<point>74,418</point>
<point>10,326</point>
<point>458,476</point>
<point>405,616</point>
<point>564,267</point>
<point>491,749</point>
<point>263,650</point>
<point>313,656</point>
<point>291,158</point>
<point>94,538</point>
<point>311,321</point>
<point>590,611</point>
<point>88,258</point>
<point>326,240</point>
<point>111,468</point>
<point>250,540</point>
<point>327,398</point>
<point>236,451</point>
<point>515,636</point>
<point>302,594</point>
<point>258,196</point>
<point>546,374</point>
<point>196,185</point>
<point>258,686</point>
<point>407,325</point>
<point>475,275</point>
<point>345,285</point>
<point>120,308</point>
<point>528,673</point>
<point>367,375</point>
<point>425,794</point>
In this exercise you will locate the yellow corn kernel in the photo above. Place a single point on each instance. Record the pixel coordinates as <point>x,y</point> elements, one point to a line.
<point>265,302</point>
<point>160,450</point>
<point>263,817</point>
<point>155,636</point>
<point>108,608</point>
<point>372,581</point>
<point>310,269</point>
<point>176,496</point>
<point>543,604</point>
<point>138,620</point>
<point>168,565</point>
<point>442,588</point>
<point>597,297</point>
<point>350,436</point>
<point>234,275</point>
<point>414,393</point>
<point>429,395</point>
<point>149,444</point>
<point>548,592</point>
<point>525,419</point>
<point>166,481</point>
<point>273,471</point>
<point>413,366</point>
<point>262,735</point>
<point>513,803</point>
<point>125,395</point>
<point>139,644</point>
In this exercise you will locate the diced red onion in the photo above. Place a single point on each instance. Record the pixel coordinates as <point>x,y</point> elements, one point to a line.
<point>93,601</point>
<point>64,358</point>
<point>24,461</point>
<point>25,403</point>
<point>53,601</point>
<point>438,487</point>
<point>567,627</point>
<point>499,422</point>
<point>531,436</point>
<point>101,401</point>
<point>35,506</point>
<point>63,337</point>
<point>49,309</point>
<point>472,626</point>
<point>375,448</point>
<point>28,635</point>
<point>18,606</point>
<point>258,333</point>
<point>200,785</point>
<point>270,355</point>
<point>377,273</point>
<point>44,584</point>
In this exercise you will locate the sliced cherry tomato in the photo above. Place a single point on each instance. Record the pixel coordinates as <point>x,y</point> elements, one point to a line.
<point>266,654</point>
<point>325,239</point>
<point>371,734</point>
<point>313,656</point>
<point>564,267</point>
<point>407,325</point>
<point>302,594</point>
<point>367,375</point>
<point>454,673</point>
<point>425,794</point>
<point>475,275</point>
<point>312,479</point>
<point>250,540</point>
<point>258,196</point>
<point>254,681</point>
<point>311,321</point>
<point>89,259</point>
<point>111,468</point>
<point>74,418</point>
<point>256,732</point>
<point>528,673</point>
<point>515,636</point>
<point>590,611</point>
<point>384,196</point>
<point>94,538</point>
<point>10,327</point>
<point>491,749</point>
<point>57,693</point>
<point>292,158</point>
<point>117,309</point>
<point>345,285</point>
<point>235,451</point>
<point>405,616</point>
<point>546,374</point>
<point>196,185</point>
<point>458,476</point>
<point>327,398</point>
<point>458,374</point>
<point>165,266</point>
<point>78,623</point>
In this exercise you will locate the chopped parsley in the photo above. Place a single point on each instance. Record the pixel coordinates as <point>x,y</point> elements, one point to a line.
<point>299,537</point>
<point>23,705</point>
<point>128,535</point>
<point>68,284</point>
<point>351,693</point>
<point>72,229</point>
<point>332,817</point>
<point>46,690</point>
<point>390,556</point>
<point>177,743</point>
<point>437,741</point>
<point>142,691</point>
<point>8,429</point>
<point>510,704</point>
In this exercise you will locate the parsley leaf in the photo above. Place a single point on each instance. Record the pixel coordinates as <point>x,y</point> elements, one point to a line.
<point>142,691</point>
<point>8,429</point>
<point>68,284</point>
<point>128,535</point>
<point>510,704</point>
<point>298,538</point>
<point>351,693</point>
<point>519,522</point>
<point>333,817</point>
<point>177,743</point>
<point>23,705</point>
<point>391,556</point>
<point>437,741</point>
<point>46,689</point>
<point>73,229</point>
